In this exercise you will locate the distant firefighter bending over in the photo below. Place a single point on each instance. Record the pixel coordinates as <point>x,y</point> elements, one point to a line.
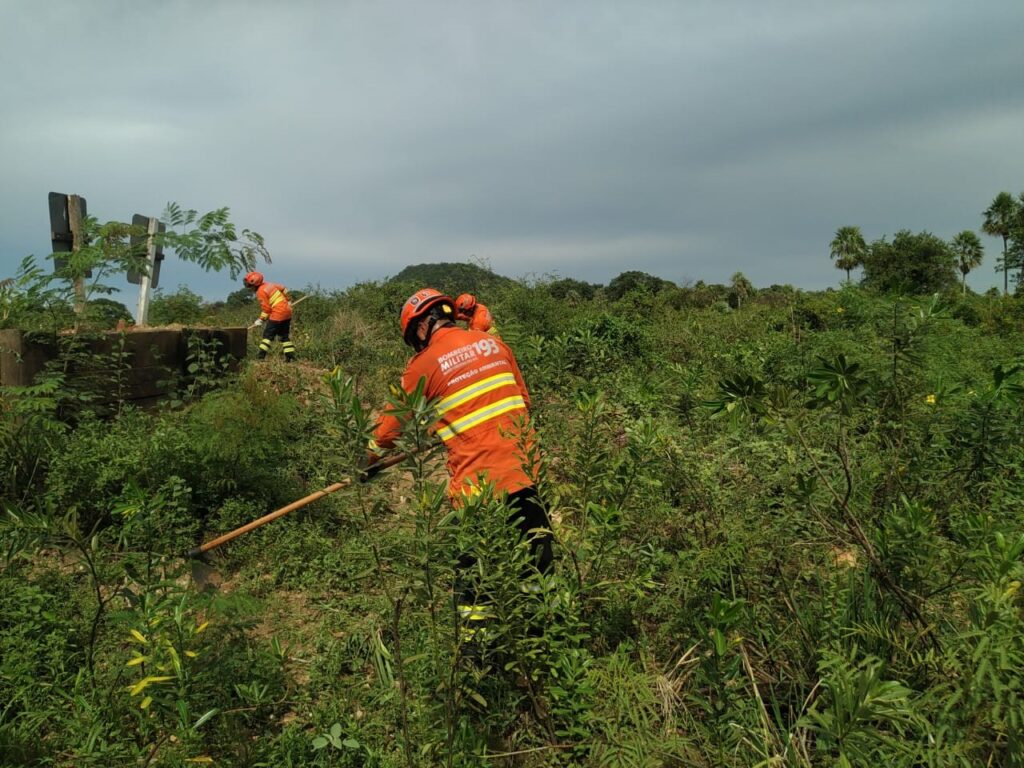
<point>275,315</point>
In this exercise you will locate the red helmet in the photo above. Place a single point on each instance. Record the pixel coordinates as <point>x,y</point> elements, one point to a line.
<point>253,280</point>
<point>417,306</point>
<point>465,304</point>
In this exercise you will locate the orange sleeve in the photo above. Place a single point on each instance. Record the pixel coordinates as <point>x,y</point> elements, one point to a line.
<point>482,320</point>
<point>387,431</point>
<point>261,294</point>
<point>388,426</point>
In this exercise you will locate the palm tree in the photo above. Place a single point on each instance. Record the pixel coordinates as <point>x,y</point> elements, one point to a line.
<point>741,288</point>
<point>968,250</point>
<point>1017,241</point>
<point>848,249</point>
<point>1000,218</point>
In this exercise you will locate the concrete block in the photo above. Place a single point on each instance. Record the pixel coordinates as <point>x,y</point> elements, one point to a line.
<point>154,359</point>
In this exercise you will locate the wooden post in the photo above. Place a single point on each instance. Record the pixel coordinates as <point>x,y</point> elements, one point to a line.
<point>75,223</point>
<point>142,311</point>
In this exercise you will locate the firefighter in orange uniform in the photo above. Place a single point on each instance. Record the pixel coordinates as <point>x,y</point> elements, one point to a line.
<point>482,406</point>
<point>276,314</point>
<point>478,317</point>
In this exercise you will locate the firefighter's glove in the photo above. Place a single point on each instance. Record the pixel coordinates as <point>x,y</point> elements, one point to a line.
<point>369,473</point>
<point>372,468</point>
<point>257,323</point>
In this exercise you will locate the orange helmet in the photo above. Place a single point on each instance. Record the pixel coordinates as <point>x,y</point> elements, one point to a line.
<point>465,304</point>
<point>418,306</point>
<point>253,280</point>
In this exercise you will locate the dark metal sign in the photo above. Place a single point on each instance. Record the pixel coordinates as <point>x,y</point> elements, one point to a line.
<point>60,228</point>
<point>140,247</point>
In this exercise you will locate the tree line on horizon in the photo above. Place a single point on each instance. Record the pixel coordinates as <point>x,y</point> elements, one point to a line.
<point>924,263</point>
<point>909,263</point>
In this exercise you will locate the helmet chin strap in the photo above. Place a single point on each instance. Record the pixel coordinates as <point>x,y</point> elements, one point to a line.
<point>420,344</point>
<point>432,322</point>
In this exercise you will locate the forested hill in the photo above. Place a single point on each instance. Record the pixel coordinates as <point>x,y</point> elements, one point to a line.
<point>452,278</point>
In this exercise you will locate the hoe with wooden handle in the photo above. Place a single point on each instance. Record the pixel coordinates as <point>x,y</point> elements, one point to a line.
<point>202,570</point>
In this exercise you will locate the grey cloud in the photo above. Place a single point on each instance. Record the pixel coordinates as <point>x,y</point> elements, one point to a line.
<point>690,140</point>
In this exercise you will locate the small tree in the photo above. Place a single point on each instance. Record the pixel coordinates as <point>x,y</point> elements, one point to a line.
<point>634,280</point>
<point>848,249</point>
<point>911,264</point>
<point>1015,258</point>
<point>1016,250</point>
<point>967,249</point>
<point>209,240</point>
<point>107,313</point>
<point>740,289</point>
<point>183,306</point>
<point>243,297</point>
<point>567,287</point>
<point>1001,218</point>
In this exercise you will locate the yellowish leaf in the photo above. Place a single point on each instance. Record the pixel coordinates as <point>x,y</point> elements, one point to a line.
<point>136,661</point>
<point>145,682</point>
<point>140,637</point>
<point>175,660</point>
<point>146,702</point>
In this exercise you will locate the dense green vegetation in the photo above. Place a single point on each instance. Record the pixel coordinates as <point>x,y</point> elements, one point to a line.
<point>790,525</point>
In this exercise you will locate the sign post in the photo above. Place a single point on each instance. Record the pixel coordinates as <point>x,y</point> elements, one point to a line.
<point>67,213</point>
<point>75,223</point>
<point>148,278</point>
<point>142,313</point>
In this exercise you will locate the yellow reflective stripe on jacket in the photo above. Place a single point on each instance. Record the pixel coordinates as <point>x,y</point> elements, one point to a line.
<point>481,415</point>
<point>484,385</point>
<point>276,298</point>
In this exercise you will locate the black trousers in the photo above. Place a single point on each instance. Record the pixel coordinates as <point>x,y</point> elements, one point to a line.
<point>528,515</point>
<point>279,329</point>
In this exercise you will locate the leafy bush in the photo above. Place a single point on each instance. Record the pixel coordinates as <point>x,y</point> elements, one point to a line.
<point>182,307</point>
<point>634,280</point>
<point>910,264</point>
<point>106,313</point>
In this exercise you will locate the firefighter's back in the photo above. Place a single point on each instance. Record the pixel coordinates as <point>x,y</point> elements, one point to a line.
<point>482,405</point>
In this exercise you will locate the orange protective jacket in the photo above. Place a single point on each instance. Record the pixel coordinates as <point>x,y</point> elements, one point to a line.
<point>274,302</point>
<point>482,407</point>
<point>480,320</point>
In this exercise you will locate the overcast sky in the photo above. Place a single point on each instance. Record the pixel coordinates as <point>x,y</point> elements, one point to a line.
<point>688,139</point>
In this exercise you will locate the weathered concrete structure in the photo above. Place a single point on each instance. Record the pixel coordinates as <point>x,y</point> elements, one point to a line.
<point>151,360</point>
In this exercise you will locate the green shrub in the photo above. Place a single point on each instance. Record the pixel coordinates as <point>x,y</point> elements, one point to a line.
<point>182,307</point>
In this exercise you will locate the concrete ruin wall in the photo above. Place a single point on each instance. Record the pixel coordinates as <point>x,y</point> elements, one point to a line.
<point>154,358</point>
